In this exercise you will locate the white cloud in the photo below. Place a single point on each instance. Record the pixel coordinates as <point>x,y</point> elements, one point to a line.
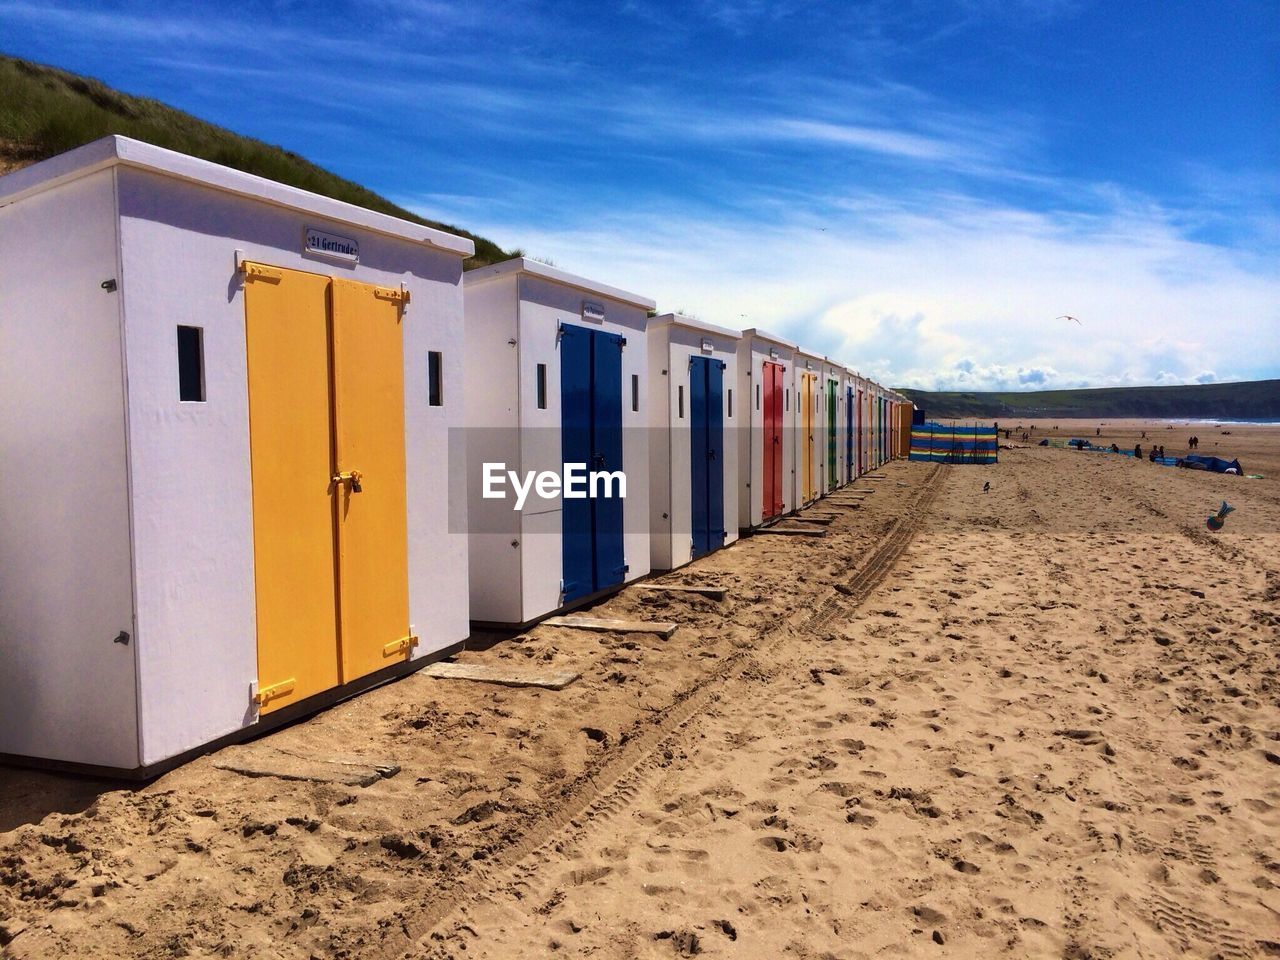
<point>950,294</point>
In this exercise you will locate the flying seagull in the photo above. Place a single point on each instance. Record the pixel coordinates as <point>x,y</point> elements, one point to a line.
<point>1067,316</point>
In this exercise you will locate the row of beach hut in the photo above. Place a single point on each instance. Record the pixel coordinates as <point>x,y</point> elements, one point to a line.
<point>261,449</point>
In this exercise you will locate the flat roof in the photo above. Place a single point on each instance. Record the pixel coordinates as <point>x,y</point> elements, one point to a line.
<point>759,334</point>
<point>692,323</point>
<point>535,268</point>
<point>802,352</point>
<point>124,151</point>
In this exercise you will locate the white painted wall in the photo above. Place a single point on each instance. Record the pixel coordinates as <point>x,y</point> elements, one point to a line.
<point>193,532</point>
<point>67,691</point>
<point>493,404</point>
<point>542,521</point>
<point>661,412</point>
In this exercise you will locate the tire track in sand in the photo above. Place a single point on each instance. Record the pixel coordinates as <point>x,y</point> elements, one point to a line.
<point>609,789</point>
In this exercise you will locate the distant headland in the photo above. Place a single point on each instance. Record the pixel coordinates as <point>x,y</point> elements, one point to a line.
<point>1249,400</point>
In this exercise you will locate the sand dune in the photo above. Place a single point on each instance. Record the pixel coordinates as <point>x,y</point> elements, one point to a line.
<point>1041,721</point>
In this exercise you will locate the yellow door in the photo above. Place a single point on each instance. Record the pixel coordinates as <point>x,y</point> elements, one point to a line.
<point>287,332</point>
<point>373,558</point>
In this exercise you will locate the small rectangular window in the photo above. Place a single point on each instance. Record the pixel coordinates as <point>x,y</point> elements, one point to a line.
<point>680,395</point>
<point>435,378</point>
<point>635,393</point>
<point>191,364</point>
<point>731,403</point>
<point>786,399</point>
<point>757,396</point>
<point>542,386</point>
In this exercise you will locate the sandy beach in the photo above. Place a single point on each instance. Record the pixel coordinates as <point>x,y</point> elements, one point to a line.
<point>1042,720</point>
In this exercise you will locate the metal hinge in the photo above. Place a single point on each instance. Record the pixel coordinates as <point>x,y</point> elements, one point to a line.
<point>274,692</point>
<point>400,296</point>
<point>258,271</point>
<point>403,645</point>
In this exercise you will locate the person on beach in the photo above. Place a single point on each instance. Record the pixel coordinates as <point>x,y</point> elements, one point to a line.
<point>1137,449</point>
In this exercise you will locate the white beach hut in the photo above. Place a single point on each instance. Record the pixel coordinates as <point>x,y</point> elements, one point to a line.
<point>868,425</point>
<point>833,401</point>
<point>224,443</point>
<point>556,375</point>
<point>694,443</point>
<point>849,444</point>
<point>766,440</point>
<point>877,425</point>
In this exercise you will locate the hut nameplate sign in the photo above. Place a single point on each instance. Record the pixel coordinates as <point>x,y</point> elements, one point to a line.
<point>330,245</point>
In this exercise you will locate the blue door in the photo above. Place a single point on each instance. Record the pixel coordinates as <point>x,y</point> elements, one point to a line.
<point>591,434</point>
<point>706,438</point>
<point>606,434</point>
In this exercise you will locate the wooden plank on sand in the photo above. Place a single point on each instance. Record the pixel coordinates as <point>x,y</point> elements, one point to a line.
<point>715,593</point>
<point>781,531</point>
<point>504,676</point>
<point>259,762</point>
<point>661,628</point>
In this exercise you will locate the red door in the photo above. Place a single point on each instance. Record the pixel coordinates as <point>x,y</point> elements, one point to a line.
<point>771,501</point>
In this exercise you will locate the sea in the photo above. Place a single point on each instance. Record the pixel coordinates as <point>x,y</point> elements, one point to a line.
<point>1225,423</point>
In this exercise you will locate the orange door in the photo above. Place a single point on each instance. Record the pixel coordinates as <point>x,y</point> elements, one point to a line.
<point>287,335</point>
<point>326,436</point>
<point>373,546</point>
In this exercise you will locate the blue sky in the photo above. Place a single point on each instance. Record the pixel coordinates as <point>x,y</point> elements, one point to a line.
<point>916,187</point>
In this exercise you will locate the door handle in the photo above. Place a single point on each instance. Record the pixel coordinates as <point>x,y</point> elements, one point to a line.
<point>352,478</point>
